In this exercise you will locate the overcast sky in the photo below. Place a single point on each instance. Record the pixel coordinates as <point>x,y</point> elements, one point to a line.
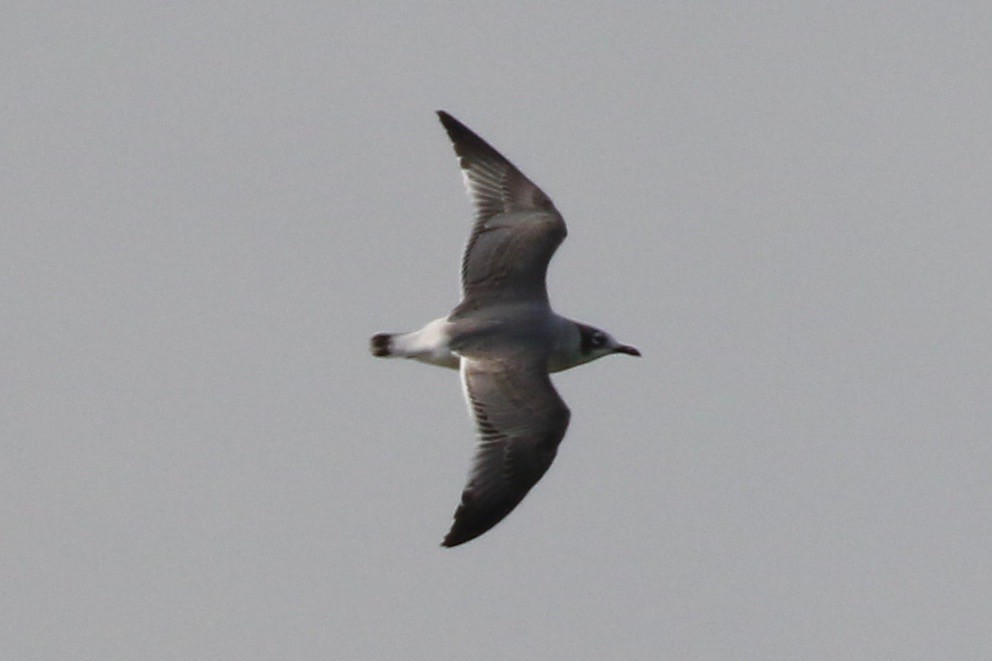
<point>207,211</point>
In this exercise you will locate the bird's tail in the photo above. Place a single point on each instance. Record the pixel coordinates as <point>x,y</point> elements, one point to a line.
<point>400,345</point>
<point>424,345</point>
<point>382,345</point>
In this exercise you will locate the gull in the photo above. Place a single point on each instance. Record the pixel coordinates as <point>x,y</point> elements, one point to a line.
<point>503,336</point>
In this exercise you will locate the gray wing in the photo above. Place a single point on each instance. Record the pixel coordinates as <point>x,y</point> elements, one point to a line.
<point>517,227</point>
<point>521,419</point>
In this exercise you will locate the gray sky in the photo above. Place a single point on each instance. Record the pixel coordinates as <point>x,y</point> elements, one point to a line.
<point>206,212</point>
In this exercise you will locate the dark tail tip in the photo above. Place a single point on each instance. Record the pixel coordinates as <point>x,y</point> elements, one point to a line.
<point>380,344</point>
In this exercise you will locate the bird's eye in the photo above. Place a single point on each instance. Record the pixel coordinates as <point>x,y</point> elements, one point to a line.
<point>598,340</point>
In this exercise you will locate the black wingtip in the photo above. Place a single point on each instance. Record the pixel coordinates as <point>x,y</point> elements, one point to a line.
<point>468,145</point>
<point>446,117</point>
<point>474,518</point>
<point>457,535</point>
<point>452,540</point>
<point>460,134</point>
<point>465,526</point>
<point>460,533</point>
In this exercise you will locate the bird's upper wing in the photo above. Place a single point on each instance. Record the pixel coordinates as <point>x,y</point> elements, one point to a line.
<point>517,227</point>
<point>521,419</point>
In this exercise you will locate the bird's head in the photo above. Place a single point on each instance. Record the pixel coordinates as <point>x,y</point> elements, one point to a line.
<point>595,343</point>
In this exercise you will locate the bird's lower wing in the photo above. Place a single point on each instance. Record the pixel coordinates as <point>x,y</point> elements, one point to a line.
<point>521,419</point>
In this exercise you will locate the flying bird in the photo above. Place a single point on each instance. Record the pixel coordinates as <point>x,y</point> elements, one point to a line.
<point>503,336</point>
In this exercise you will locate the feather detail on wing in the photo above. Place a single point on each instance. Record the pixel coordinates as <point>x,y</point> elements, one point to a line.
<point>520,419</point>
<point>517,228</point>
